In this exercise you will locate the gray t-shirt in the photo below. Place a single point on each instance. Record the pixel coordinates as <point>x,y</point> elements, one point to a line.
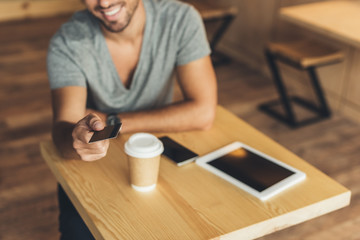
<point>78,56</point>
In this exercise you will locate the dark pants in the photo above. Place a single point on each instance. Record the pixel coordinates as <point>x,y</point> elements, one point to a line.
<point>72,227</point>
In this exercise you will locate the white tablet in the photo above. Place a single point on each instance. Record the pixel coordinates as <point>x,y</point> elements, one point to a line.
<point>251,170</point>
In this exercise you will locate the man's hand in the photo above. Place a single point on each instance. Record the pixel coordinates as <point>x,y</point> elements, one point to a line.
<point>82,134</point>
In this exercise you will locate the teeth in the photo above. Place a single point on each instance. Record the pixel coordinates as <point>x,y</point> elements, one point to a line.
<point>112,12</point>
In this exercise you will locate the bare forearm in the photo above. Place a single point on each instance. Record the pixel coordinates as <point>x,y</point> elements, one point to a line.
<point>182,116</point>
<point>73,128</point>
<point>61,134</point>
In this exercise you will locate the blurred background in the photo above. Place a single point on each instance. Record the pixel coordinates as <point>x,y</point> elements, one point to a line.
<point>28,205</point>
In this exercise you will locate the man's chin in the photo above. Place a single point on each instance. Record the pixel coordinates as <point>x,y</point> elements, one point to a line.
<point>113,27</point>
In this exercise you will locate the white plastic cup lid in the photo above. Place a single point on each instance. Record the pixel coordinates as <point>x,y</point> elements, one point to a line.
<point>143,145</point>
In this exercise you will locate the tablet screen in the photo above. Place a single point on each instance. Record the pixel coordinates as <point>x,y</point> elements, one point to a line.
<point>251,169</point>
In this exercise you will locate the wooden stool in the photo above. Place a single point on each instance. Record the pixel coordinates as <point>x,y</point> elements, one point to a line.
<point>303,55</point>
<point>209,13</point>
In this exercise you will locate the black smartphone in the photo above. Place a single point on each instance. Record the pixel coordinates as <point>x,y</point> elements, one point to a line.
<point>177,152</point>
<point>108,132</point>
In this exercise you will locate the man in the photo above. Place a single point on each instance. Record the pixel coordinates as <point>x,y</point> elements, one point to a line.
<point>116,59</point>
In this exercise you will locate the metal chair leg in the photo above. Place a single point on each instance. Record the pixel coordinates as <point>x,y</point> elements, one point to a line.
<point>219,58</point>
<point>285,101</point>
<point>323,109</point>
<point>220,31</point>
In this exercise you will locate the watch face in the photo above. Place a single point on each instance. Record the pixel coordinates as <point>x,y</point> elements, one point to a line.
<point>112,119</point>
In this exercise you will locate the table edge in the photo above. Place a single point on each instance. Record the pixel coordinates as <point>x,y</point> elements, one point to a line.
<point>292,218</point>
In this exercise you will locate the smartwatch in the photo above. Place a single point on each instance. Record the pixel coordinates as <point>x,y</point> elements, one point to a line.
<point>112,119</point>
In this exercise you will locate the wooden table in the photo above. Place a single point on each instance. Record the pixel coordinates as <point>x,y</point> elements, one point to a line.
<point>337,19</point>
<point>189,202</point>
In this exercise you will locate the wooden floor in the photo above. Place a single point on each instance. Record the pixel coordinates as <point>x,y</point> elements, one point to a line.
<point>28,206</point>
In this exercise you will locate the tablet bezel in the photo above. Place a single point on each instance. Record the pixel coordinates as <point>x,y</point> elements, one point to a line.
<point>263,195</point>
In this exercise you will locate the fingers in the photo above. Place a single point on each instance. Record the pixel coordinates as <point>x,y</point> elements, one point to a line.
<point>92,152</point>
<point>85,128</point>
<point>94,122</point>
<point>81,135</point>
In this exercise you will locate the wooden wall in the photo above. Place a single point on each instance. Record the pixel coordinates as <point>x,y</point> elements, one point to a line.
<point>23,9</point>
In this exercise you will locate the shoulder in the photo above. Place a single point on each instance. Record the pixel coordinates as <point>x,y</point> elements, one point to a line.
<point>79,30</point>
<point>173,10</point>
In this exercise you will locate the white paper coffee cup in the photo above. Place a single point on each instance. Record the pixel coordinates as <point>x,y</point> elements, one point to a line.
<point>143,151</point>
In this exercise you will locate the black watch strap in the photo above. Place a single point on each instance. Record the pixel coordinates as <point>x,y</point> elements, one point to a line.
<point>112,119</point>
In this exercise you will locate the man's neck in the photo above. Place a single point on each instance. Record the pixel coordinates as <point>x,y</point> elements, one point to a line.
<point>133,31</point>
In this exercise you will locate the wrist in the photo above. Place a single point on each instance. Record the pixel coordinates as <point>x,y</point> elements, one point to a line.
<point>112,119</point>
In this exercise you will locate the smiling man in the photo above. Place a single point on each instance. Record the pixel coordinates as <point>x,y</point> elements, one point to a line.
<point>116,60</point>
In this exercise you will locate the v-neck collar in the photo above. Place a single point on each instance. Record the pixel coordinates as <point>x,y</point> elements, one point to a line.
<point>143,50</point>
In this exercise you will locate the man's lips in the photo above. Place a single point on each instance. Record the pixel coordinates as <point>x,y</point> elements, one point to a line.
<point>111,13</point>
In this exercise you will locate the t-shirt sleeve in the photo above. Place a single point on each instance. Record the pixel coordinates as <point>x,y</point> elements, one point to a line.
<point>193,43</point>
<point>62,69</point>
